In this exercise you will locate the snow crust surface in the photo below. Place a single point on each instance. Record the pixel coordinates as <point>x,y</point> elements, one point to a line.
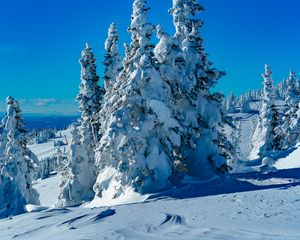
<point>244,211</point>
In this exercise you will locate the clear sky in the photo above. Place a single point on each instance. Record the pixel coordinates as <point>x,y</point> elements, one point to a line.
<point>40,43</point>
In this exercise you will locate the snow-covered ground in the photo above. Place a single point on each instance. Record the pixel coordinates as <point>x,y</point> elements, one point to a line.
<point>292,160</point>
<point>267,210</point>
<point>47,149</point>
<point>48,190</point>
<point>246,120</point>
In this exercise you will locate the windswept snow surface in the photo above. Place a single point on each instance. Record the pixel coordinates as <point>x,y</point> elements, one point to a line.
<point>194,210</point>
<point>48,190</point>
<point>292,160</point>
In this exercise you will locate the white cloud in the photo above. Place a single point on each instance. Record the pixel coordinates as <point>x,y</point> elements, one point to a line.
<point>45,102</point>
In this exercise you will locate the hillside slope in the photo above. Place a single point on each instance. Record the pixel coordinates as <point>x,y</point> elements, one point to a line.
<point>267,209</point>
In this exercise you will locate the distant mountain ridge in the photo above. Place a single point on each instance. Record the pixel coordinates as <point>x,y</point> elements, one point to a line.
<point>42,121</point>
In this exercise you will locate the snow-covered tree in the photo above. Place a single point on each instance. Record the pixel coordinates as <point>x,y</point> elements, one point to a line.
<point>290,119</point>
<point>281,90</point>
<point>230,103</point>
<point>73,181</point>
<point>262,139</point>
<point>181,12</point>
<point>236,138</point>
<point>90,102</point>
<point>292,89</point>
<point>136,150</point>
<point>112,58</point>
<point>18,165</point>
<point>185,66</point>
<point>113,67</point>
<point>9,123</point>
<point>244,104</point>
<point>277,133</point>
<point>226,148</point>
<point>90,97</point>
<point>235,143</point>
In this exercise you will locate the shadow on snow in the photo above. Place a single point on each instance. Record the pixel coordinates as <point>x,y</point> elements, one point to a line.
<point>234,184</point>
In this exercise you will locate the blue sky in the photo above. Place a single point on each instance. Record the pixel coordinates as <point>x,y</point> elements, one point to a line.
<point>40,43</point>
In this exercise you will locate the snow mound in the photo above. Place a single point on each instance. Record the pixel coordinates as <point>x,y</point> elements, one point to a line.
<point>109,181</point>
<point>34,208</point>
<point>290,161</point>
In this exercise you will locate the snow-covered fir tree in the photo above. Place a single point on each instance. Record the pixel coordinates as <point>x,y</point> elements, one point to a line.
<point>236,138</point>
<point>184,65</point>
<point>90,97</point>
<point>72,180</point>
<point>18,165</point>
<point>281,90</point>
<point>235,143</point>
<point>90,101</point>
<point>292,89</point>
<point>112,58</point>
<point>230,103</point>
<point>277,133</point>
<point>135,151</point>
<point>225,146</point>
<point>244,104</point>
<point>262,139</point>
<point>7,124</point>
<point>113,67</point>
<point>290,122</point>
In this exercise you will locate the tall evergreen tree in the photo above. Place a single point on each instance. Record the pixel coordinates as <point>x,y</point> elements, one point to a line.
<point>90,97</point>
<point>235,143</point>
<point>277,134</point>
<point>113,67</point>
<point>290,125</point>
<point>112,58</point>
<point>244,104</point>
<point>262,140</point>
<point>236,138</point>
<point>230,103</point>
<point>185,66</point>
<point>18,165</point>
<point>73,192</point>
<point>136,148</point>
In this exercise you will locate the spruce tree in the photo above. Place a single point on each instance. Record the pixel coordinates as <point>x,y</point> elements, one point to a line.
<point>135,151</point>
<point>277,133</point>
<point>235,143</point>
<point>112,58</point>
<point>244,104</point>
<point>290,119</point>
<point>18,165</point>
<point>113,67</point>
<point>90,97</point>
<point>78,185</point>
<point>230,103</point>
<point>73,192</point>
<point>262,139</point>
<point>184,64</point>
